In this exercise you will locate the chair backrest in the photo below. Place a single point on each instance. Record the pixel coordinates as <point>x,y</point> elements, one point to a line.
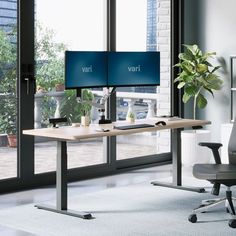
<point>232,145</point>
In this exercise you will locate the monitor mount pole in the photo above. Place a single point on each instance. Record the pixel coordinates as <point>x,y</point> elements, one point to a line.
<point>101,108</point>
<point>101,105</point>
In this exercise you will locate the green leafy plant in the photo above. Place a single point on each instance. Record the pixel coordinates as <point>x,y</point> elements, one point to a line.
<point>8,117</point>
<point>50,59</point>
<point>73,110</point>
<point>49,56</point>
<point>8,101</point>
<point>197,74</point>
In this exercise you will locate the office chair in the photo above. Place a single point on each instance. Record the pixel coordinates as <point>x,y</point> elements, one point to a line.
<point>218,174</point>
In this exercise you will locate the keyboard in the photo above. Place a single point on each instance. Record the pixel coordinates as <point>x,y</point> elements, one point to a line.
<point>136,126</point>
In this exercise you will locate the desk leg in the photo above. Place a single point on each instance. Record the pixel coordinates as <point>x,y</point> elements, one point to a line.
<point>61,186</point>
<point>177,166</point>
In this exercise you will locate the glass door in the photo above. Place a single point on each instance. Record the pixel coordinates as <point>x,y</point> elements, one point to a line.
<point>8,89</point>
<point>147,30</point>
<point>76,25</point>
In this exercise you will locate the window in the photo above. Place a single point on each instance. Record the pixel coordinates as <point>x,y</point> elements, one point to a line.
<point>76,25</point>
<point>147,29</point>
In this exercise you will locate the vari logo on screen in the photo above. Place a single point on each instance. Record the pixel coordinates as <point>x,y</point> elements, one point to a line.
<point>133,69</point>
<point>85,69</point>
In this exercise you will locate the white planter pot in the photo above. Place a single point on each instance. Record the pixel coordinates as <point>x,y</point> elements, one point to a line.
<point>85,120</point>
<point>192,153</point>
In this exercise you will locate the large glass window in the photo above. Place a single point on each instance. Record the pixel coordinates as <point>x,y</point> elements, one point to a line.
<point>8,88</point>
<point>147,30</point>
<point>76,25</point>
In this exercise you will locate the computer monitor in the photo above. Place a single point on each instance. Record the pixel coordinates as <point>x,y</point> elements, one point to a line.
<point>85,69</point>
<point>133,69</point>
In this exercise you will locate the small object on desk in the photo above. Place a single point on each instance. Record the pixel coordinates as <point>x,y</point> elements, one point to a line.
<point>169,118</point>
<point>55,121</point>
<point>85,121</point>
<point>161,122</point>
<point>75,124</point>
<point>102,130</point>
<point>136,126</point>
<point>102,119</point>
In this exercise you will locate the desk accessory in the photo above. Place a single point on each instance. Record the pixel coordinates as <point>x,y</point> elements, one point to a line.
<point>55,121</point>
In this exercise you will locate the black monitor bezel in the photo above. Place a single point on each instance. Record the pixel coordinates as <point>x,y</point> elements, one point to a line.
<point>107,85</point>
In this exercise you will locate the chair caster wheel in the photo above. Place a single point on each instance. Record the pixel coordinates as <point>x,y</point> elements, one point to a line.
<point>192,218</point>
<point>232,223</point>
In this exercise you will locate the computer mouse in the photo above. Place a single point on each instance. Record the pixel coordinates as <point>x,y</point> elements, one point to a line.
<point>161,122</point>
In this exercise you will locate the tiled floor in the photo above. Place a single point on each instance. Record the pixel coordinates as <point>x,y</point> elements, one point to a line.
<point>81,187</point>
<point>79,154</point>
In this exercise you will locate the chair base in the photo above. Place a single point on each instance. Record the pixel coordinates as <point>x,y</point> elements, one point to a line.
<point>227,202</point>
<point>213,203</point>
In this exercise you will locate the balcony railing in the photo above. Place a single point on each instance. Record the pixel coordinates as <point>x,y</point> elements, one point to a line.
<point>143,105</point>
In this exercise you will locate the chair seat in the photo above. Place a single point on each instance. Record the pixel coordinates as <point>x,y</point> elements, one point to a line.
<point>215,171</point>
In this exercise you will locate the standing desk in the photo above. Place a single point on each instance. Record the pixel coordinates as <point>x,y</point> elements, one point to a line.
<point>68,133</point>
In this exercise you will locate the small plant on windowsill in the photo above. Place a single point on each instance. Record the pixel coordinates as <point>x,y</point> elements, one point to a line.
<point>73,110</point>
<point>197,74</point>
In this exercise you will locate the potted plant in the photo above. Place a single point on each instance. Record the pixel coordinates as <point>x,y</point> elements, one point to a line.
<point>8,120</point>
<point>8,104</point>
<point>74,110</point>
<point>196,76</point>
<point>130,117</point>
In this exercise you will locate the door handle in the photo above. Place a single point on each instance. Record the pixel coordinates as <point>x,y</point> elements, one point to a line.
<point>28,77</point>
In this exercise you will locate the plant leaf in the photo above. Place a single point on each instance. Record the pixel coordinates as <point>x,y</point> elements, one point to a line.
<point>214,82</point>
<point>201,101</point>
<point>215,68</point>
<point>180,85</point>
<point>209,90</point>
<point>186,97</point>
<point>191,90</point>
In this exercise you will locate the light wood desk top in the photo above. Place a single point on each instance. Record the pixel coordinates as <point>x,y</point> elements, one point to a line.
<point>77,133</point>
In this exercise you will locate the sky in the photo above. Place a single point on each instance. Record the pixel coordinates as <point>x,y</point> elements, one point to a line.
<point>80,23</point>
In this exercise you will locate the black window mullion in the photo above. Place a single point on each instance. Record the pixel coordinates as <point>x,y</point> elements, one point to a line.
<point>25,88</point>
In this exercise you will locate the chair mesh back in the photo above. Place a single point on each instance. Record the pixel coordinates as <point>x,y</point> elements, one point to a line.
<point>232,145</point>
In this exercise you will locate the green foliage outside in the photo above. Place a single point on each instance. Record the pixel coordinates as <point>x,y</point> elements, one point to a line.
<point>49,60</point>
<point>49,68</point>
<point>8,101</point>
<point>49,72</point>
<point>197,74</point>
<point>72,109</point>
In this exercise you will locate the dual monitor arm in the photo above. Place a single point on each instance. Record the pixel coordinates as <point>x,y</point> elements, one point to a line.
<point>100,106</point>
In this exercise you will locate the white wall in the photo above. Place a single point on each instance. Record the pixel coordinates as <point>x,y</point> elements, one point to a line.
<point>212,25</point>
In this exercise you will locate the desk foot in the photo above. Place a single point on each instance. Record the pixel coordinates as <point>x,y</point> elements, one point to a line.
<point>83,215</point>
<point>169,185</point>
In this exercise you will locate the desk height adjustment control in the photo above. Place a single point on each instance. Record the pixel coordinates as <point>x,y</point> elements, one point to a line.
<point>197,127</point>
<point>55,121</point>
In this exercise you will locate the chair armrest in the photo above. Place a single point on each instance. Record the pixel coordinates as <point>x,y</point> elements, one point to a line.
<point>215,150</point>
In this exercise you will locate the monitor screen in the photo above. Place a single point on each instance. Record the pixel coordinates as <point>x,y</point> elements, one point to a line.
<point>85,69</point>
<point>133,69</point>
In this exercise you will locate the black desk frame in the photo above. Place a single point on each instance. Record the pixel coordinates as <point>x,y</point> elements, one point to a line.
<point>61,177</point>
<point>177,165</point>
<point>61,186</point>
